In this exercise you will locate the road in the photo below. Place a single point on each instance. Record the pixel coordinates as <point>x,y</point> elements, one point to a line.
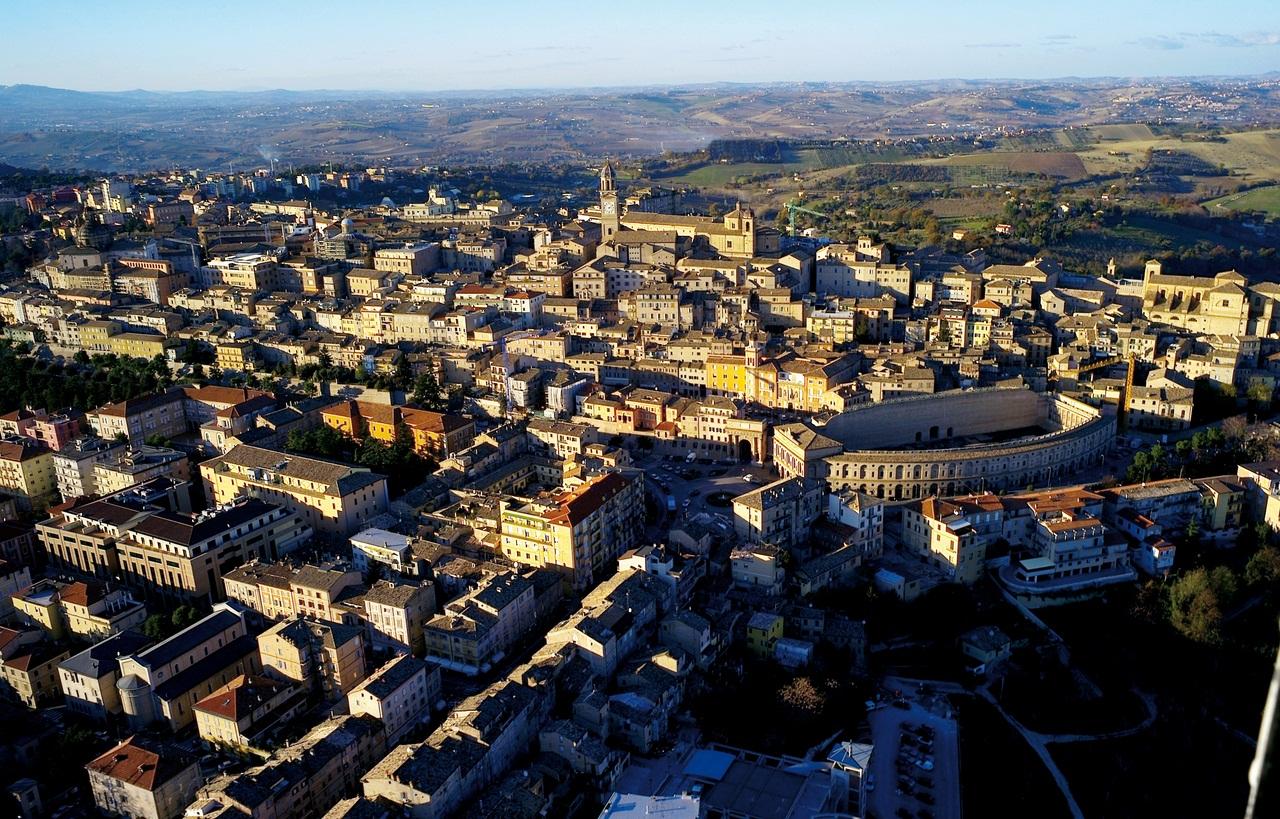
<point>887,724</point>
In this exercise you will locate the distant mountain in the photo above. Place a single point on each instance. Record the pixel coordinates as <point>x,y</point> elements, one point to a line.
<point>139,129</point>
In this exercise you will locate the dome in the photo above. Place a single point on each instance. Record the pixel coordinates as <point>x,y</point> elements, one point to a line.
<point>348,225</point>
<point>131,682</point>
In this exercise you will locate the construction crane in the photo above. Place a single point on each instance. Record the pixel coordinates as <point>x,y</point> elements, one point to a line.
<point>792,208</point>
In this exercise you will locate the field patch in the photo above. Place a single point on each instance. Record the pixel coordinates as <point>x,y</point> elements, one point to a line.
<point>985,167</point>
<point>1266,199</point>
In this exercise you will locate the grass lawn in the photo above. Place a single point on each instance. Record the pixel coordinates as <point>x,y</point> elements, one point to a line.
<point>1265,199</point>
<point>999,773</point>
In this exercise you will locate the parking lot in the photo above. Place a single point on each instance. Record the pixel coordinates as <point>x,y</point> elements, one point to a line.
<point>915,763</point>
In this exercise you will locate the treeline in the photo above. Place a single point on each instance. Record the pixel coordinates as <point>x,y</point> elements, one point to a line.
<point>84,383</point>
<point>884,173</point>
<point>747,150</point>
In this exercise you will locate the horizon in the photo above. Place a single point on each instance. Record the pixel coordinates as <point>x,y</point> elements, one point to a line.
<point>1078,78</point>
<point>415,50</point>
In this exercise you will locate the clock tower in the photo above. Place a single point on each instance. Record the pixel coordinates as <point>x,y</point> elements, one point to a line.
<point>609,214</point>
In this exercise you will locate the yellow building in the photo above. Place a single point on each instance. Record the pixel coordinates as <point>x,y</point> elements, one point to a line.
<point>240,712</point>
<point>580,532</point>
<point>764,630</point>
<point>435,434</point>
<point>336,499</point>
<point>26,470</point>
<point>140,345</point>
<point>95,336</point>
<point>789,380</point>
<point>234,356</point>
<point>329,657</point>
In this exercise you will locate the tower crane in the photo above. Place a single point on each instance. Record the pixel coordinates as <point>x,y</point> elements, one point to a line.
<point>792,209</point>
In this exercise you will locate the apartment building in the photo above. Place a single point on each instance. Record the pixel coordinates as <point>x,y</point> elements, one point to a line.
<point>139,418</point>
<point>26,471</point>
<point>304,779</point>
<point>88,679</point>
<point>396,614</point>
<point>242,714</point>
<point>476,629</point>
<point>267,588</point>
<point>73,465</point>
<point>87,611</point>
<point>953,535</point>
<point>335,499</point>
<point>400,694</point>
<point>781,513</point>
<point>141,463</point>
<point>435,434</point>
<point>29,668</point>
<point>579,532</point>
<point>143,779</point>
<point>328,658</point>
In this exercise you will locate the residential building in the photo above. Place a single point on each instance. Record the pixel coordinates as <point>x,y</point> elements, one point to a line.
<point>336,500</point>
<point>140,418</point>
<point>143,779</point>
<point>374,546</point>
<point>243,714</point>
<point>26,471</point>
<point>329,658</point>
<point>29,668</point>
<point>580,531</point>
<point>400,693</point>
<point>396,614</point>
<point>139,464</point>
<point>953,535</point>
<point>477,629</point>
<point>781,513</point>
<point>73,465</point>
<point>88,679</point>
<point>87,611</point>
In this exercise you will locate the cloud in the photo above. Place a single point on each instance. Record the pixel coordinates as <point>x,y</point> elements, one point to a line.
<point>993,45</point>
<point>1215,39</point>
<point>1058,39</point>
<point>1250,40</point>
<point>1161,42</point>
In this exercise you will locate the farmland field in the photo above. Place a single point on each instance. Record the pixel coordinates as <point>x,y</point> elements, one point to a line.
<point>1250,155</point>
<point>1266,199</point>
<point>1051,163</point>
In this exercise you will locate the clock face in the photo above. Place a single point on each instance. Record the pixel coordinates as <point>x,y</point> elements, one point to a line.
<point>608,207</point>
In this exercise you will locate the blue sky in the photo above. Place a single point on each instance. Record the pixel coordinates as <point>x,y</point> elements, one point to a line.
<point>427,45</point>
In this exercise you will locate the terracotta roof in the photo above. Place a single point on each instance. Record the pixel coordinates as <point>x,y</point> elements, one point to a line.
<point>141,764</point>
<point>238,698</point>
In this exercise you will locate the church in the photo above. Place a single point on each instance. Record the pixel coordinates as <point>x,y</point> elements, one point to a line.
<point>734,236</point>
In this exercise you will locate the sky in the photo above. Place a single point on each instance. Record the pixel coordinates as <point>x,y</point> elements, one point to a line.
<point>426,45</point>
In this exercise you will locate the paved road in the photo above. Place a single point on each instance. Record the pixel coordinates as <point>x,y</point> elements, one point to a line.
<point>887,723</point>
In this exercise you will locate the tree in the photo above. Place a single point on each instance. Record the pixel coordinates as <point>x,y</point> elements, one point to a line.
<point>802,696</point>
<point>427,393</point>
<point>403,378</point>
<point>157,627</point>
<point>1263,569</point>
<point>1197,600</point>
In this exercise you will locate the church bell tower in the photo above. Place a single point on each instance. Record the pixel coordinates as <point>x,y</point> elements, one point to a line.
<point>609,215</point>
